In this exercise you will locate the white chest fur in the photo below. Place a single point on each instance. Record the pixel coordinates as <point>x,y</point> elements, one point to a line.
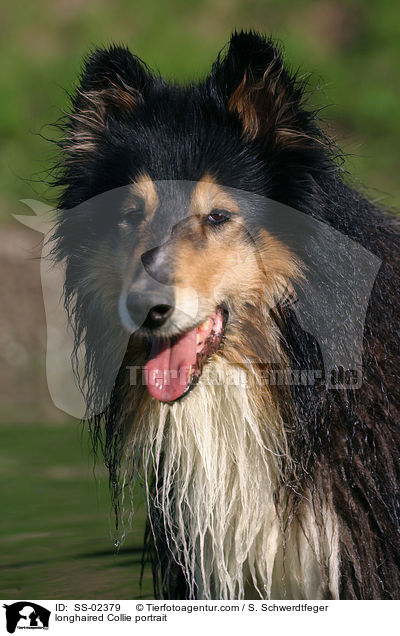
<point>223,466</point>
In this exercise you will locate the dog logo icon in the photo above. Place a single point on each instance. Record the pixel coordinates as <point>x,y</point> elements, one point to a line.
<point>26,615</point>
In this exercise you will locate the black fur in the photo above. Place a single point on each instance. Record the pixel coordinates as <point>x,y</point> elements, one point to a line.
<point>346,442</point>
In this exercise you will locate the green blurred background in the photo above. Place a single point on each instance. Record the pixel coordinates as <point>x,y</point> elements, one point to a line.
<point>57,529</point>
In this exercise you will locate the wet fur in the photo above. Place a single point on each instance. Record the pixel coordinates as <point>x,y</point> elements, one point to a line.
<point>279,491</point>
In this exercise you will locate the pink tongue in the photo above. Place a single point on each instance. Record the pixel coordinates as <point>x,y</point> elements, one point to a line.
<point>167,371</point>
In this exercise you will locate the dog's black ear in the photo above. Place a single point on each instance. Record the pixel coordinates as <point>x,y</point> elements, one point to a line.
<point>258,89</point>
<point>112,85</point>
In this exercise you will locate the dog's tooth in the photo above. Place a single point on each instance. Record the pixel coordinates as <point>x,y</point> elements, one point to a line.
<point>205,326</point>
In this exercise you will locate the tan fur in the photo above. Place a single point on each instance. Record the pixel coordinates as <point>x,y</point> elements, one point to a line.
<point>265,109</point>
<point>88,122</point>
<point>209,195</point>
<point>240,103</point>
<point>230,263</point>
<point>144,188</point>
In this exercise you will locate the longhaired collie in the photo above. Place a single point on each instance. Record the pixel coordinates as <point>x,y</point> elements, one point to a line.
<point>237,304</point>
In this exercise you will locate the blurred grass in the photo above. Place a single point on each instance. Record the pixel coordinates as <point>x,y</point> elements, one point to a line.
<point>57,529</point>
<point>351,46</point>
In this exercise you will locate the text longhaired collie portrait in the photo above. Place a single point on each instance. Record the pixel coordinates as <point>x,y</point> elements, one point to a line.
<point>238,307</point>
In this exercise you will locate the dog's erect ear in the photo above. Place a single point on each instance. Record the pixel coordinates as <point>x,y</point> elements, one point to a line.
<point>258,89</point>
<point>112,86</point>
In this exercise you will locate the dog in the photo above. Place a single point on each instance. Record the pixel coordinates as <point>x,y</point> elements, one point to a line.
<point>202,226</point>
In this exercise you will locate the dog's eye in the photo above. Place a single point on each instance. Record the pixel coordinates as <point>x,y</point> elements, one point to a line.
<point>216,217</point>
<point>135,210</point>
<point>131,213</point>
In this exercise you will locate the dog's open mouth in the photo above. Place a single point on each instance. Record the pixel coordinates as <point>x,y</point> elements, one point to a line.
<point>176,364</point>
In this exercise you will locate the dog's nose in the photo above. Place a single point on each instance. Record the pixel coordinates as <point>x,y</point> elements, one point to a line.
<point>150,309</point>
<point>157,316</point>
